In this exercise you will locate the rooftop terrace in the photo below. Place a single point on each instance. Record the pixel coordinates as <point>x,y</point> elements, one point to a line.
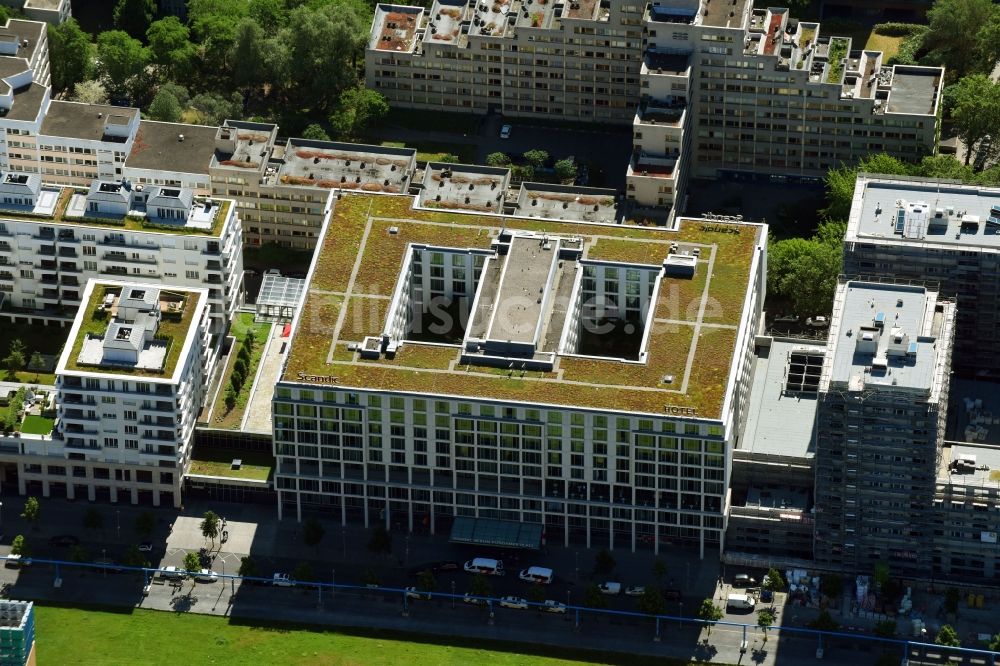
<point>444,25</point>
<point>724,13</point>
<point>344,166</point>
<point>561,202</point>
<point>99,315</point>
<point>464,187</point>
<point>395,27</point>
<point>694,322</point>
<point>243,145</point>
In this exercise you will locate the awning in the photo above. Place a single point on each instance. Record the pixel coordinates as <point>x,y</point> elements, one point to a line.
<point>498,533</point>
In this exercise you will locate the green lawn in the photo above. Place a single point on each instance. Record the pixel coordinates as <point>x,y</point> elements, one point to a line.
<point>230,419</point>
<point>218,462</point>
<point>36,425</point>
<point>436,152</point>
<point>87,636</point>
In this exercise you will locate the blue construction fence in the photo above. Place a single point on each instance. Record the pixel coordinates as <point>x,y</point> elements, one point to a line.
<point>905,647</point>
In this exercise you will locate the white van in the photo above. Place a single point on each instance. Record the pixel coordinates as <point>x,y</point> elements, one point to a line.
<point>485,565</point>
<point>741,602</point>
<point>537,575</point>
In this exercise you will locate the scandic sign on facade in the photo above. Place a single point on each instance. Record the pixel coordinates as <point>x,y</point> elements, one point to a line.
<point>318,379</point>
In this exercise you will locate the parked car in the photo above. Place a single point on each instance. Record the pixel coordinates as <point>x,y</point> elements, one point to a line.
<point>514,602</point>
<point>671,594</point>
<point>439,567</point>
<point>145,547</point>
<point>16,561</point>
<point>485,565</point>
<point>470,598</point>
<point>281,580</point>
<point>414,593</point>
<point>635,591</point>
<point>173,573</point>
<point>505,131</point>
<point>64,540</point>
<point>610,588</point>
<point>542,575</point>
<point>744,580</point>
<point>740,602</point>
<point>206,576</point>
<point>787,319</point>
<point>819,321</point>
<point>550,606</point>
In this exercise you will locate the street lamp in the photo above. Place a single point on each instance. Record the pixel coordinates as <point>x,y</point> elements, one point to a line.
<point>104,557</point>
<point>576,559</point>
<point>680,612</point>
<point>118,523</point>
<point>453,595</point>
<point>343,541</point>
<point>333,579</point>
<point>406,556</point>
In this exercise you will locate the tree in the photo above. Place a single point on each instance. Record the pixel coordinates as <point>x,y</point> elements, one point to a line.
<point>248,567</point>
<point>192,563</point>
<point>269,14</point>
<point>450,158</point>
<point>358,108</point>
<point>885,628</point>
<point>659,569</point>
<point>652,601</point>
<point>133,16</point>
<point>710,613</point>
<point>536,158</point>
<point>213,24</point>
<point>804,272</point>
<point>14,360</point>
<point>774,581</point>
<point>380,542</point>
<point>79,554</point>
<point>536,593</point>
<point>881,574</point>
<point>230,397</point>
<point>604,563</point>
<point>303,573</point>
<point>165,107</point>
<point>213,109</point>
<point>121,61</point>
<point>249,55</point>
<point>948,636</point>
<point>840,182</point>
<point>93,519</point>
<point>426,581</point>
<point>315,133</point>
<point>765,619</point>
<point>90,92</point>
<point>824,622</point>
<point>325,44</point>
<point>977,111</point>
<point>210,526</point>
<point>134,557</point>
<point>36,362</point>
<point>312,532</point>
<point>19,546</point>
<point>995,643</point>
<point>71,54</point>
<point>565,169</point>
<point>480,586</point>
<point>170,46</point>
<point>31,511</point>
<point>952,23</point>
<point>498,159</point>
<point>593,597</point>
<point>250,338</point>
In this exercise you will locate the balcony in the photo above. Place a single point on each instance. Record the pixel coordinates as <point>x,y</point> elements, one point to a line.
<point>645,166</point>
<point>669,112</point>
<point>665,63</point>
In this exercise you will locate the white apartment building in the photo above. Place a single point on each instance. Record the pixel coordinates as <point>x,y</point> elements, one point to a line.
<point>131,381</point>
<point>50,11</point>
<point>568,60</point>
<point>53,239</point>
<point>572,375</point>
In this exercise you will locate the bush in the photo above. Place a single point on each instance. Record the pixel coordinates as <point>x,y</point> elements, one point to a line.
<point>909,49</point>
<point>243,365</point>
<point>896,29</point>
